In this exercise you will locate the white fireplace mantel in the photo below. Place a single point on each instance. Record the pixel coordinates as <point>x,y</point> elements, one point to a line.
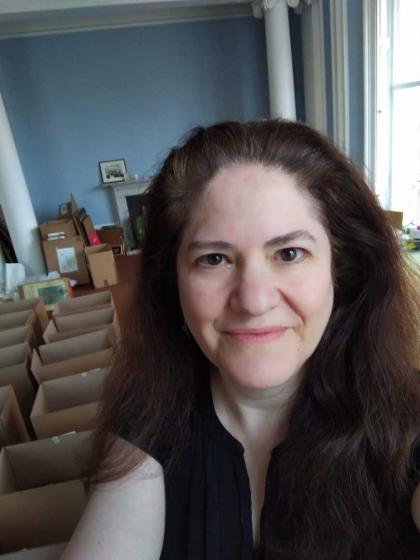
<point>120,192</point>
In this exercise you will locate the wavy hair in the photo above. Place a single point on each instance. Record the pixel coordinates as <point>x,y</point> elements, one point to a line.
<point>345,472</point>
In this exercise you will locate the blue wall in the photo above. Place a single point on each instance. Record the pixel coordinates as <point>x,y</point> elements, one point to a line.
<point>79,98</point>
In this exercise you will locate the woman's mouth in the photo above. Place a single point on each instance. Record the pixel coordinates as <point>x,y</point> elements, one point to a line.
<point>255,336</point>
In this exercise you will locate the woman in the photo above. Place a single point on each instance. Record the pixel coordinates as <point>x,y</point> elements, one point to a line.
<point>265,401</point>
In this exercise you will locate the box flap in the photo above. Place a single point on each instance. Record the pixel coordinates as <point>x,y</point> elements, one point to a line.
<point>83,303</point>
<point>86,319</point>
<point>12,426</point>
<point>51,460</point>
<point>16,319</point>
<point>74,347</point>
<point>16,335</point>
<point>13,355</point>
<point>73,390</point>
<point>41,516</point>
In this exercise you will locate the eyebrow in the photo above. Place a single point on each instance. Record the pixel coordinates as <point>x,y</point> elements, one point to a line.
<point>299,234</point>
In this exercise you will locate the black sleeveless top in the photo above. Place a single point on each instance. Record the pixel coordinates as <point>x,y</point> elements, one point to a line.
<point>208,496</point>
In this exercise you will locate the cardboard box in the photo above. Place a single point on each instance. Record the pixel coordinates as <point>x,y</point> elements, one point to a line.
<point>50,291</point>
<point>63,227</point>
<point>17,335</point>
<point>41,494</point>
<point>50,552</point>
<point>67,257</point>
<point>75,324</point>
<point>12,425</point>
<point>39,322</point>
<point>114,236</point>
<point>17,319</point>
<point>73,355</point>
<point>14,370</point>
<point>99,300</point>
<point>101,263</point>
<point>68,404</point>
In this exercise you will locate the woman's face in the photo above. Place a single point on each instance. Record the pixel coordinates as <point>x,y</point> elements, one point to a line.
<point>254,275</point>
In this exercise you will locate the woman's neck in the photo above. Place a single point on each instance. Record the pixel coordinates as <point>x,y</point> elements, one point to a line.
<point>254,416</point>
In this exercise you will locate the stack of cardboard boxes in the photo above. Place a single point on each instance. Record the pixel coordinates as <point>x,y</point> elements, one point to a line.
<point>72,246</point>
<point>51,378</point>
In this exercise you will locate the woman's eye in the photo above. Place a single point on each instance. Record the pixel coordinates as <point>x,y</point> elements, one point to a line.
<point>213,259</point>
<point>291,254</point>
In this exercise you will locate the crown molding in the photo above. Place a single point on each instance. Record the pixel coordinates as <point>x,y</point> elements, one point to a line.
<point>91,15</point>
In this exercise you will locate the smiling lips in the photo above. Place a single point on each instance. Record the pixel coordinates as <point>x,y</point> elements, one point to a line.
<point>256,336</point>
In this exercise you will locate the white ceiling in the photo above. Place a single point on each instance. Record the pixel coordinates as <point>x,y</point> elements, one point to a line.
<point>39,17</point>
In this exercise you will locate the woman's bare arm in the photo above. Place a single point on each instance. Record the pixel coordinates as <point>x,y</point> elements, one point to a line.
<point>123,518</point>
<point>415,507</point>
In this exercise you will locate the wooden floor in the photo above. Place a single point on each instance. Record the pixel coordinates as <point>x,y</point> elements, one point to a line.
<point>127,267</point>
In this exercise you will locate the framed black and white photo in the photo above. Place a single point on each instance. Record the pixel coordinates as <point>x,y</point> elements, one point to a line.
<point>113,171</point>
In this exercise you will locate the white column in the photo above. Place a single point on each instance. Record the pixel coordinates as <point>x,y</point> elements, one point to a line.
<point>279,59</point>
<point>16,202</point>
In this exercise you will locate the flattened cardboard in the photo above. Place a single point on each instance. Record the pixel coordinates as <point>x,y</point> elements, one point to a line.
<point>34,303</point>
<point>101,263</point>
<point>50,552</point>
<point>14,370</point>
<point>67,257</point>
<point>79,304</point>
<point>67,404</point>
<point>17,335</point>
<point>12,426</point>
<point>73,355</point>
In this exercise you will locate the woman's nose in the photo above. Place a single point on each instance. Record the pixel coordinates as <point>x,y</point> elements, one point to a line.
<point>255,291</point>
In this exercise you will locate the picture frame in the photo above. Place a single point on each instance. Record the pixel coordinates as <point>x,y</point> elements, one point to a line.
<point>113,171</point>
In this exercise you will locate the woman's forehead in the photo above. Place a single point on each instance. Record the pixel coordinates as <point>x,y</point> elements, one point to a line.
<point>251,197</point>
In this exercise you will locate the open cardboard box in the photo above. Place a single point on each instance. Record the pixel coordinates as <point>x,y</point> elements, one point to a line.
<point>62,226</point>
<point>14,370</point>
<point>30,313</point>
<point>68,326</point>
<point>12,426</point>
<point>98,300</point>
<point>49,552</point>
<point>102,267</point>
<point>42,496</point>
<point>73,355</point>
<point>17,335</point>
<point>68,403</point>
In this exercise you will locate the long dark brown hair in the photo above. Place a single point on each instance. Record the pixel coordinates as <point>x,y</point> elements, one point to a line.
<point>345,472</point>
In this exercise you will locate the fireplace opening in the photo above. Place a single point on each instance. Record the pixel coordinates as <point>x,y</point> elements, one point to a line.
<point>136,211</point>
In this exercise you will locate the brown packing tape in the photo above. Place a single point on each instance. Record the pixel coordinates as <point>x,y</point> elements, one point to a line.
<point>67,404</point>
<point>12,426</point>
<point>41,516</point>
